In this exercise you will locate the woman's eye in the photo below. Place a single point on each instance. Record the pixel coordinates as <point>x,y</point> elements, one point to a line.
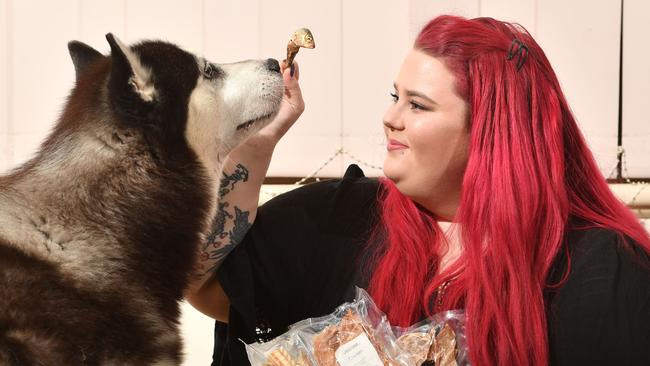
<point>394,96</point>
<point>417,106</point>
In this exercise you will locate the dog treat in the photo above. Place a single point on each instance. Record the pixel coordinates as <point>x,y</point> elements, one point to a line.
<point>417,344</point>
<point>281,357</point>
<point>351,326</point>
<point>285,350</point>
<point>300,38</point>
<point>325,345</point>
<point>443,350</point>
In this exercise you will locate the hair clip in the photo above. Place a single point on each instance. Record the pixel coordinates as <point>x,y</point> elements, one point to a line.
<point>521,55</point>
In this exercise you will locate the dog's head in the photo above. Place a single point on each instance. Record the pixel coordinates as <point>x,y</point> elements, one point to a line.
<point>176,98</point>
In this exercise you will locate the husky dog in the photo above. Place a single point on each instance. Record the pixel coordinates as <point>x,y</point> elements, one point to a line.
<point>99,231</point>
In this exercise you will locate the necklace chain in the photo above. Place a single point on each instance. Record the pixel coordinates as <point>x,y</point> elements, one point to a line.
<point>440,294</point>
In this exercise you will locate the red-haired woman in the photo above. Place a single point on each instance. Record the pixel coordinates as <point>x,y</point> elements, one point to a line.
<point>492,203</point>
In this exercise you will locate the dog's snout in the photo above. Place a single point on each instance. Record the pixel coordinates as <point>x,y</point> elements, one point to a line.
<point>272,64</point>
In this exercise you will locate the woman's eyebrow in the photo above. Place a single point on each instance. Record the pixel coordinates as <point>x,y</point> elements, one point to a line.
<point>413,93</point>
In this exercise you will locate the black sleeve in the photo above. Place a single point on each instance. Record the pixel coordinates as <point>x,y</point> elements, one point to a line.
<point>601,315</point>
<point>297,261</point>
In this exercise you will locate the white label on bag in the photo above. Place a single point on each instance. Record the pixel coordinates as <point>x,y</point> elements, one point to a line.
<point>358,352</point>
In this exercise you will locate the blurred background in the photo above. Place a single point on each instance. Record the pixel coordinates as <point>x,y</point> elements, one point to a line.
<point>346,80</point>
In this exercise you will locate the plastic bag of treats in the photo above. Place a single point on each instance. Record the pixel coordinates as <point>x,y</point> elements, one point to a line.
<point>439,340</point>
<point>285,350</point>
<point>355,334</point>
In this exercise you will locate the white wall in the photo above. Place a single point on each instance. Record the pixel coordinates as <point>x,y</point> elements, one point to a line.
<point>636,87</point>
<point>345,80</point>
<point>585,55</point>
<point>5,146</point>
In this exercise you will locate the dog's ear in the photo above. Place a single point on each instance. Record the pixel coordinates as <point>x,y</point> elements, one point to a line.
<point>128,75</point>
<point>82,55</point>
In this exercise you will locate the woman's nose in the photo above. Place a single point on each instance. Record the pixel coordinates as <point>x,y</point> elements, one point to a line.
<point>392,119</point>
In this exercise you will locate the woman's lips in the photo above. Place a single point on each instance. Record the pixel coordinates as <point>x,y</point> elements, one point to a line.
<point>395,145</point>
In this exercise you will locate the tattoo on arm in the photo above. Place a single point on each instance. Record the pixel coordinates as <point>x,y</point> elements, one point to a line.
<point>228,181</point>
<point>218,227</point>
<point>219,242</point>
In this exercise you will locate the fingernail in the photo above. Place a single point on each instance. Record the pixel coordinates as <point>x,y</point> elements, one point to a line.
<point>293,68</point>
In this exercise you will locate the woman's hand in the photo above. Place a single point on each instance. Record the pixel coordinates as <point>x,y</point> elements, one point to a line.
<point>291,108</point>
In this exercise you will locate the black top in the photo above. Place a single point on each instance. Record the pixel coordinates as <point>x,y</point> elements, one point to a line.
<point>304,255</point>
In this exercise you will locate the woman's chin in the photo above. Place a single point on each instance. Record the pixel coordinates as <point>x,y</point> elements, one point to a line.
<point>393,169</point>
<point>388,170</point>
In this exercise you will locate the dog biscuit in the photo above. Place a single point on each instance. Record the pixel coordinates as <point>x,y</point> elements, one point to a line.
<point>300,38</point>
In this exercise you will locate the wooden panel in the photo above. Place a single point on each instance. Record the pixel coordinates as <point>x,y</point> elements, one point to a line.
<point>581,39</point>
<point>636,88</point>
<point>181,23</point>
<point>41,60</point>
<point>232,30</point>
<point>522,12</point>
<point>313,139</point>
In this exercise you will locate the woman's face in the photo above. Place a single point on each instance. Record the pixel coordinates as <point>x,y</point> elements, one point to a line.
<point>427,134</point>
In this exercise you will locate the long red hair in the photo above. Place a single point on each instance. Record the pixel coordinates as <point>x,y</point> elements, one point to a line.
<point>529,170</point>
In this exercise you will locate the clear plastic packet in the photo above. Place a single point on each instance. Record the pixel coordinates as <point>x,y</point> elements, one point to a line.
<point>355,334</point>
<point>285,350</point>
<point>438,340</point>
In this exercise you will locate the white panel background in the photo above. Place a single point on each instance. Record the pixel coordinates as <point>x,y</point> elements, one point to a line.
<point>317,134</point>
<point>5,146</point>
<point>371,52</point>
<point>345,80</point>
<point>99,18</point>
<point>585,58</point>
<point>421,11</point>
<point>636,87</point>
<point>41,71</point>
<point>165,19</point>
<point>228,25</point>
<point>516,11</point>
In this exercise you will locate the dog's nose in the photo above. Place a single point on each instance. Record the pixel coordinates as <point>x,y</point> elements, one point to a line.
<point>272,64</point>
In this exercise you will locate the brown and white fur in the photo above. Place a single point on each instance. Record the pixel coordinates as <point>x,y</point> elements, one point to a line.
<point>99,231</point>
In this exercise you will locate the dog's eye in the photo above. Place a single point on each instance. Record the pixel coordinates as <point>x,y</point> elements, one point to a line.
<point>210,71</point>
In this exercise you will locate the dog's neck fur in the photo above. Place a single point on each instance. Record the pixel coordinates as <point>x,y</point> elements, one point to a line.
<point>47,204</point>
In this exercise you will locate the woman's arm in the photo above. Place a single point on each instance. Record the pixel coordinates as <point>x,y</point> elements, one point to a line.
<point>243,174</point>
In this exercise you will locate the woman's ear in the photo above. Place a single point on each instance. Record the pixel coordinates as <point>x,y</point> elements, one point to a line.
<point>128,75</point>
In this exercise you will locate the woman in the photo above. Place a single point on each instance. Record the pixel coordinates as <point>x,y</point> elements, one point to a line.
<point>493,203</point>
